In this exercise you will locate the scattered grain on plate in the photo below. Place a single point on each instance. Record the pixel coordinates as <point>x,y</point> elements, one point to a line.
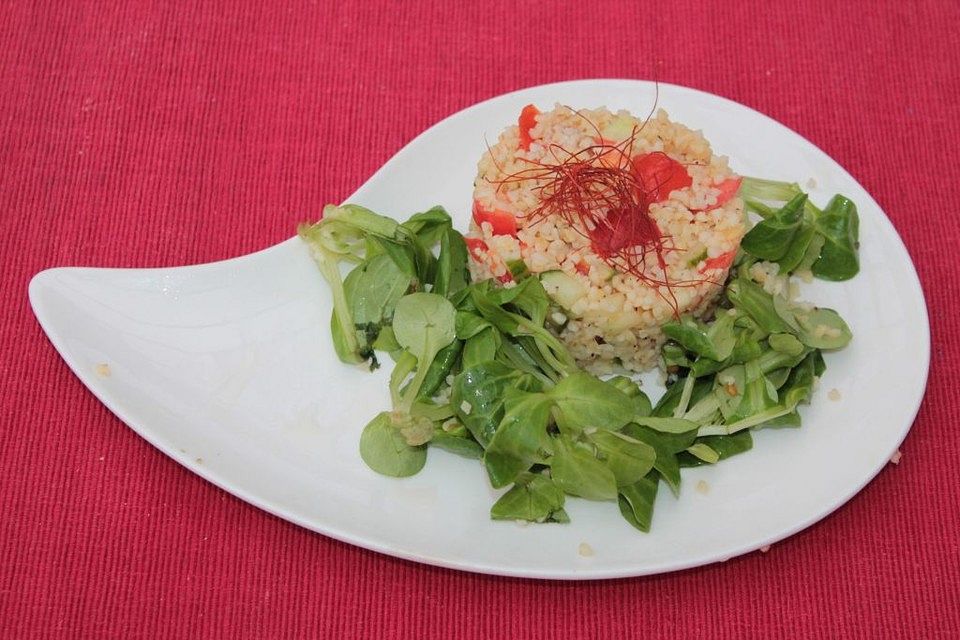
<point>812,183</point>
<point>834,394</point>
<point>765,548</point>
<point>703,487</point>
<point>585,550</point>
<point>199,460</point>
<point>895,458</point>
<point>102,370</point>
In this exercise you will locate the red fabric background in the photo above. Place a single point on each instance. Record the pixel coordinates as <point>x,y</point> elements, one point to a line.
<point>153,134</point>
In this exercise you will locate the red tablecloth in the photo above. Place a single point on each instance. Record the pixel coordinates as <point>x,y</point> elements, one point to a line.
<point>155,134</point>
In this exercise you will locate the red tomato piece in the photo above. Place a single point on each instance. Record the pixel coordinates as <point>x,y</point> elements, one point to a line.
<point>722,261</point>
<point>728,189</point>
<point>582,267</point>
<point>475,246</point>
<point>503,222</point>
<point>527,121</point>
<point>660,175</point>
<point>623,229</point>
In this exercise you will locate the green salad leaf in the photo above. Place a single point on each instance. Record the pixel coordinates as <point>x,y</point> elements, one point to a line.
<point>385,449</point>
<point>839,225</point>
<point>578,472</point>
<point>586,401</point>
<point>798,235</point>
<point>636,502</point>
<point>534,497</point>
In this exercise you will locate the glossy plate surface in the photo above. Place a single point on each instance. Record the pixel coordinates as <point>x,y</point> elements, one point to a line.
<point>228,368</point>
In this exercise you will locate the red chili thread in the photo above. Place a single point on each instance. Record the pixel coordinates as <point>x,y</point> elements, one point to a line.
<point>598,194</point>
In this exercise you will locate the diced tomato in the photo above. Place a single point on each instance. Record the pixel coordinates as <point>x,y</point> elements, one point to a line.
<point>623,229</point>
<point>475,246</point>
<point>728,189</point>
<point>527,121</point>
<point>722,261</point>
<point>582,267</point>
<point>660,175</point>
<point>503,222</point>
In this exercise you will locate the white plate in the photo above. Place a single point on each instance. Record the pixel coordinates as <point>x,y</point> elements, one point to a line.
<point>228,368</point>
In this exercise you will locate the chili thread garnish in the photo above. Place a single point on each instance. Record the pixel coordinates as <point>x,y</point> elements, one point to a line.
<point>598,193</point>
